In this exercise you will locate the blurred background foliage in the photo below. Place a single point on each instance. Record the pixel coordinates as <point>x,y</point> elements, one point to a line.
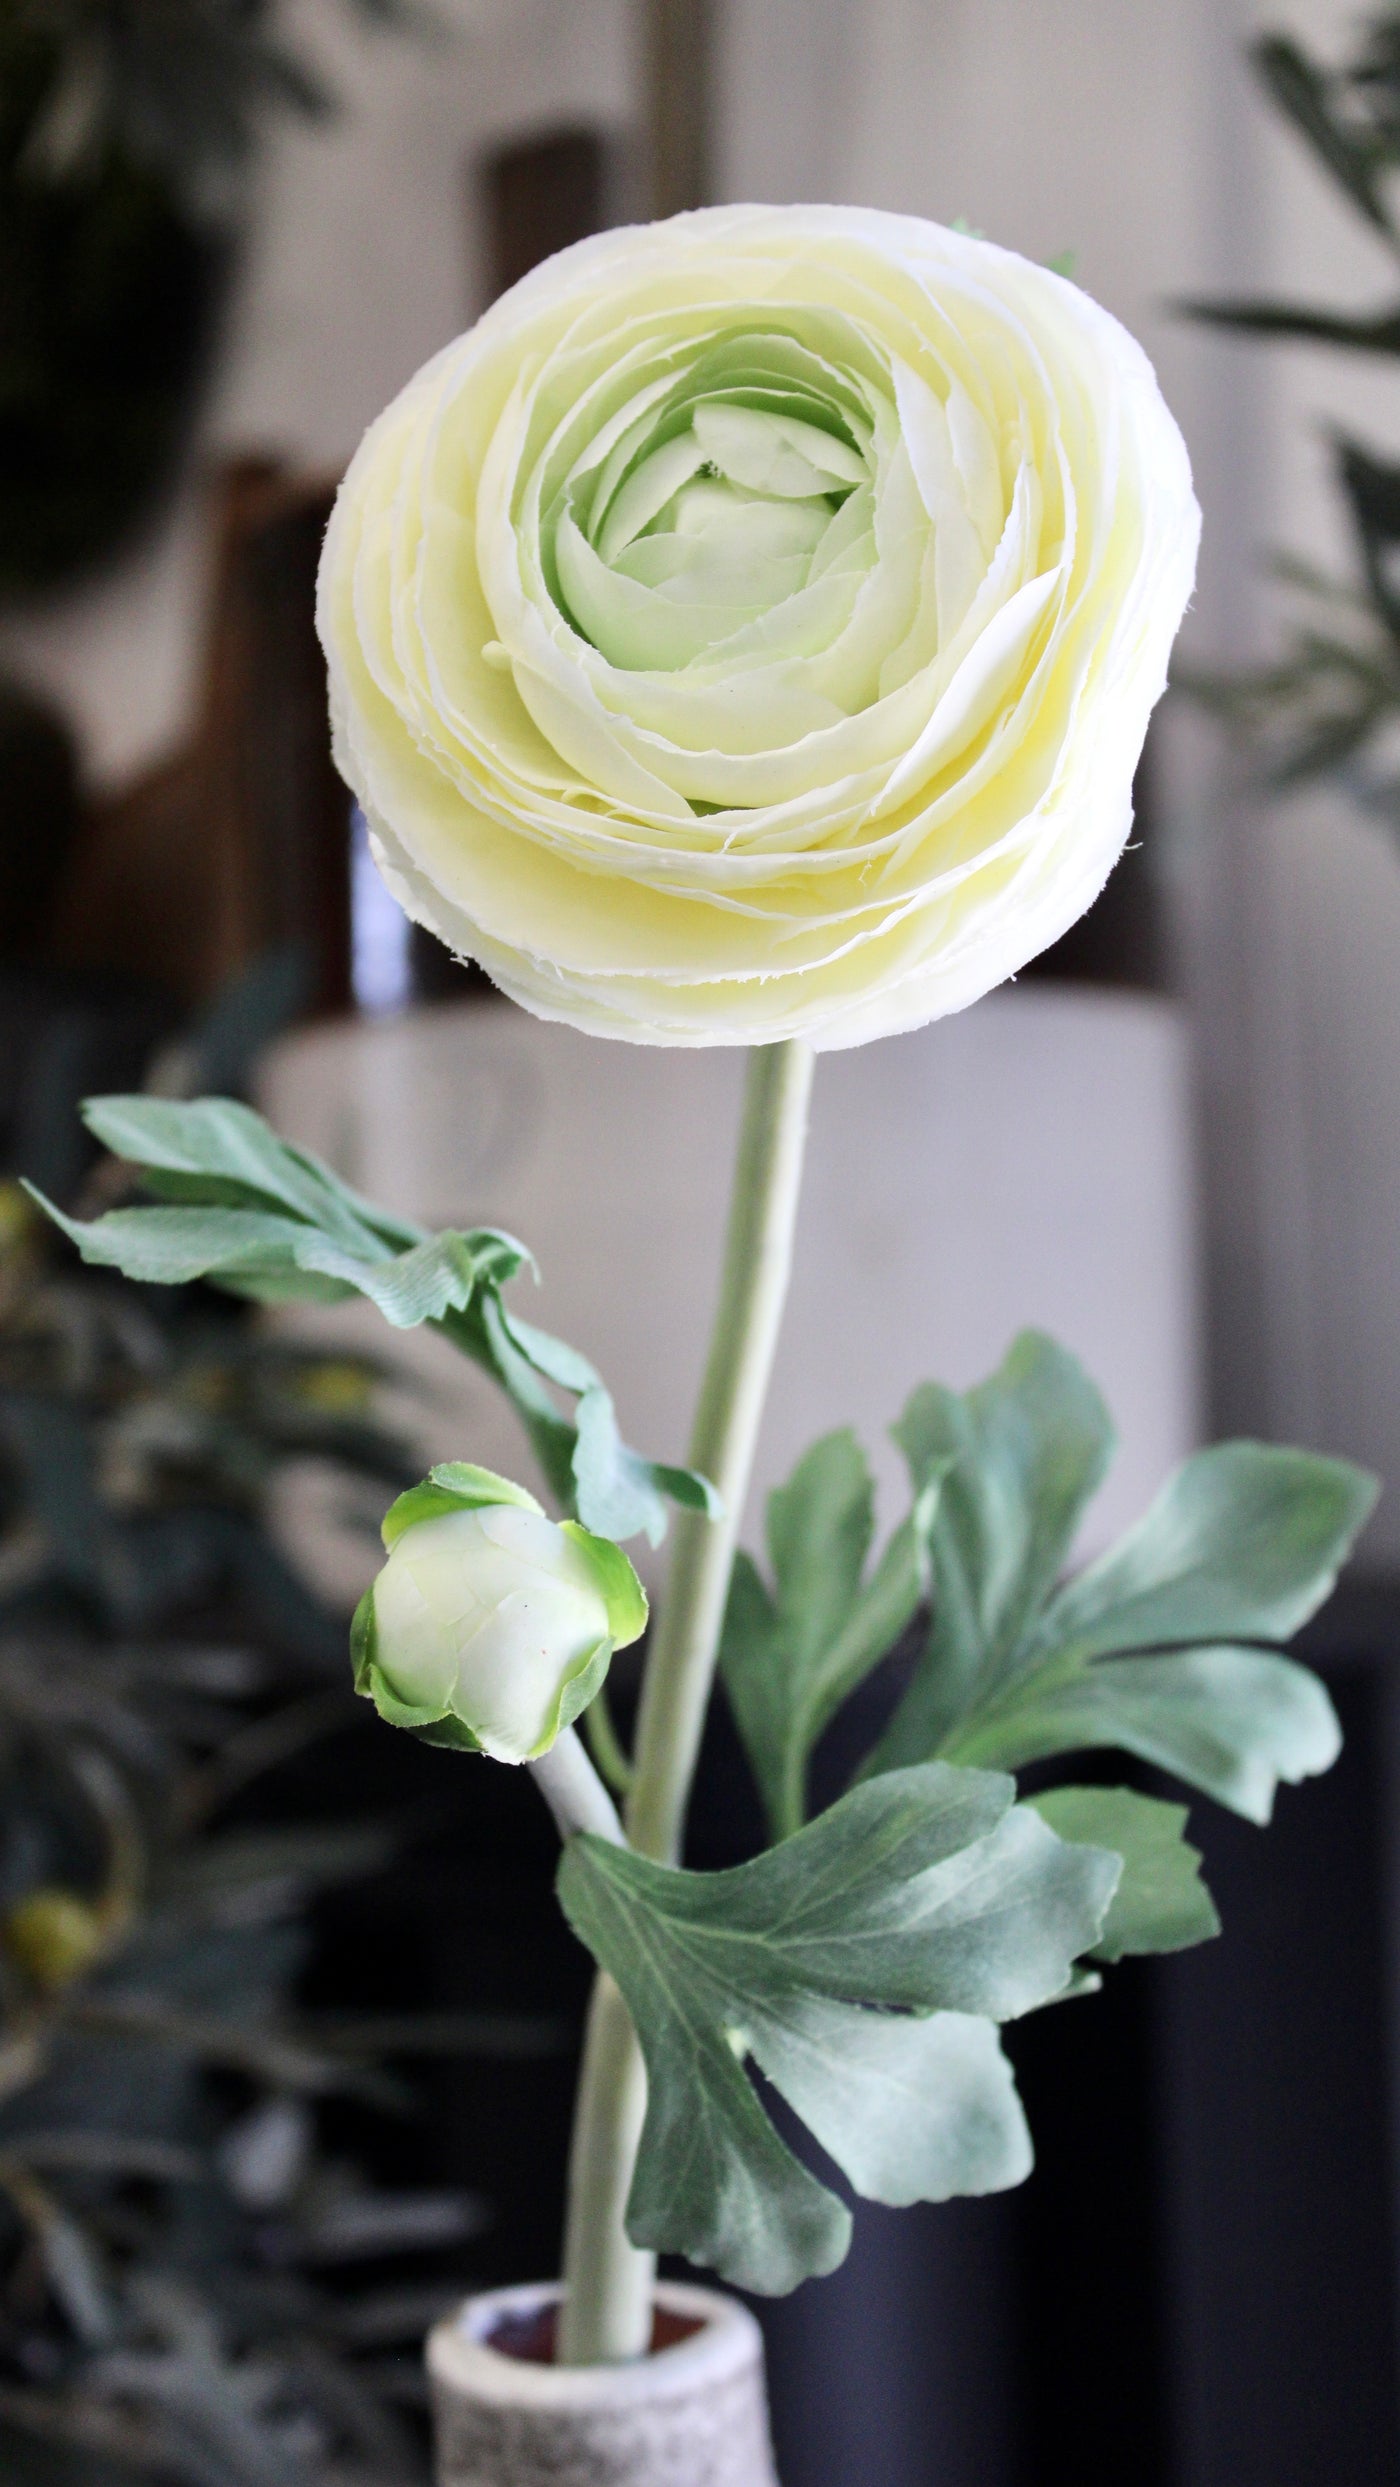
<point>198,2280</point>
<point>1329,706</point>
<point>128,130</point>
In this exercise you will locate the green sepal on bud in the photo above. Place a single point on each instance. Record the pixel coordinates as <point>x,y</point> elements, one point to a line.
<point>491,1626</point>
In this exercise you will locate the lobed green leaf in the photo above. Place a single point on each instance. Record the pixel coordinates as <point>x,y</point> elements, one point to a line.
<point>1145,1650</point>
<point>862,1965</point>
<point>1161,1903</point>
<point>789,1660</point>
<point>1232,1722</point>
<point>1019,1457</point>
<point>1244,1542</point>
<point>263,1219</point>
<point>1353,154</point>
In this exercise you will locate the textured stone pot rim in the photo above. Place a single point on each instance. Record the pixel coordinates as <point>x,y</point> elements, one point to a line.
<point>462,2360</point>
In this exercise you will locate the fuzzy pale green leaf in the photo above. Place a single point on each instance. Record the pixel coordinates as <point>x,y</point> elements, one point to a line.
<point>789,1658</point>
<point>1020,1457</point>
<point>863,1965</point>
<point>1161,1903</point>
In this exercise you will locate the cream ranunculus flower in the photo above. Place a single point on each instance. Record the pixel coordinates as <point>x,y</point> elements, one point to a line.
<point>749,629</point>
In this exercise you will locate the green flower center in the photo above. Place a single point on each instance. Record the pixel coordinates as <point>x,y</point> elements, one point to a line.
<point>750,482</point>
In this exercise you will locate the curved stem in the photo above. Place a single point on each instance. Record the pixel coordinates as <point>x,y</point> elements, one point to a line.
<point>607,2280</point>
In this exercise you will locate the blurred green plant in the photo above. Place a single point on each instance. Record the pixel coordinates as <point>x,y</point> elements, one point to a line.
<point>128,131</point>
<point>1329,706</point>
<point>179,2246</point>
<point>172,2232</point>
<point>181,87</point>
<point>145,1440</point>
<point>140,1455</point>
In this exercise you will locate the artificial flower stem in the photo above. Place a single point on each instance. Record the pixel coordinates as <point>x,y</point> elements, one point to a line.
<point>753,1289</point>
<point>605,1745</point>
<point>573,1791</point>
<point>605,2311</point>
<point>607,2281</point>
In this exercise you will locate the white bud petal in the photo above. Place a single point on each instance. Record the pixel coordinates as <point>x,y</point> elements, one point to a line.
<point>485,1615</point>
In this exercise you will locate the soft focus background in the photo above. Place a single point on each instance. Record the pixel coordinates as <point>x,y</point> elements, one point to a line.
<point>228,232</point>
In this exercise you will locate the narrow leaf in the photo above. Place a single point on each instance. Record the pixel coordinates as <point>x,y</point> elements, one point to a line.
<point>1306,94</point>
<point>789,1661</point>
<point>819,1530</point>
<point>169,1247</point>
<point>1376,333</point>
<point>214,1140</point>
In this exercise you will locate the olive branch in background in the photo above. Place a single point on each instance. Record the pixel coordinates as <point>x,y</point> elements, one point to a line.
<point>865,1960</point>
<point>1328,706</point>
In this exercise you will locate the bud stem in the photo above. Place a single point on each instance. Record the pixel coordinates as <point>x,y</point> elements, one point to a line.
<point>606,2311</point>
<point>573,1791</point>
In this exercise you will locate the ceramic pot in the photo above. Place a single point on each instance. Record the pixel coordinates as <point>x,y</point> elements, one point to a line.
<point>692,2414</point>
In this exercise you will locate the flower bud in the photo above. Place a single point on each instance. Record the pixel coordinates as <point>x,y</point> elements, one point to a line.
<point>491,1626</point>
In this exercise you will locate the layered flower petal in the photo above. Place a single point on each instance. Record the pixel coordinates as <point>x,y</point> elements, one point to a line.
<point>750,628</point>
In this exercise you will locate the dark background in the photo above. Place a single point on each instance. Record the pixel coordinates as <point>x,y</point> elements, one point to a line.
<point>1197,2285</point>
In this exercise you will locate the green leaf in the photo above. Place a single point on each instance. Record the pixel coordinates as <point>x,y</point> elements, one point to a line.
<point>615,1488</point>
<point>1244,1542</point>
<point>215,1141</point>
<point>861,1965</point>
<point>434,1277</point>
<point>1233,1722</point>
<point>1374,333</point>
<point>1019,1457</point>
<point>619,1493</point>
<point>1372,487</point>
<point>1351,154</point>
<point>269,1221</point>
<point>278,1260</point>
<point>819,1529</point>
<point>1161,1903</point>
<point>169,1247</point>
<point>790,1660</point>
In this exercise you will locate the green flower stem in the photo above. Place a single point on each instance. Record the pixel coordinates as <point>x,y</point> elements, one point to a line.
<point>574,1792</point>
<point>605,1745</point>
<point>606,2312</point>
<point>757,1260</point>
